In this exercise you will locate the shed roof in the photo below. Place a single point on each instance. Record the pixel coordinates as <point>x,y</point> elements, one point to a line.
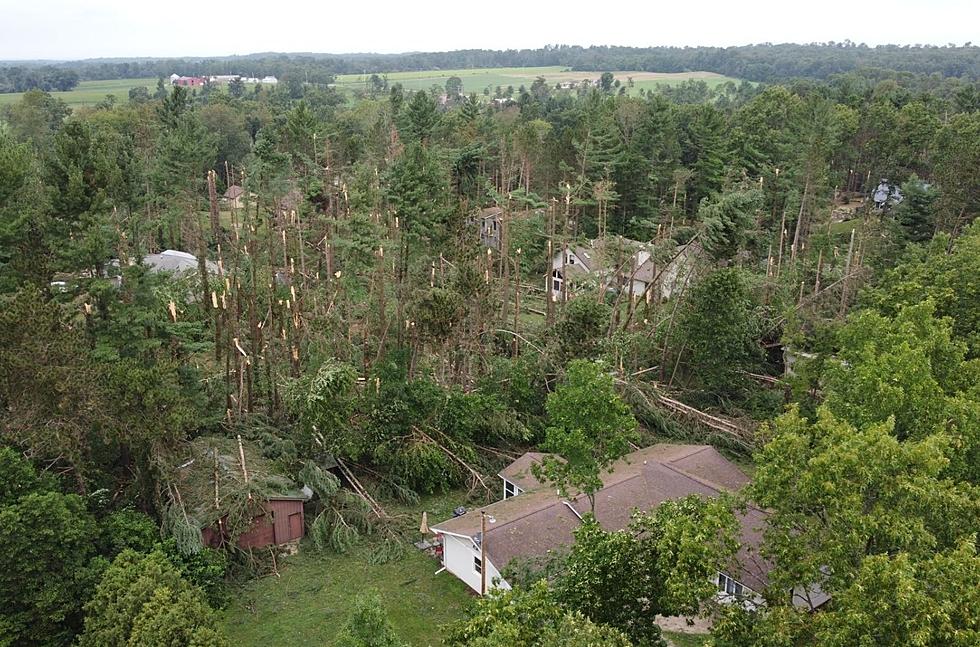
<point>234,191</point>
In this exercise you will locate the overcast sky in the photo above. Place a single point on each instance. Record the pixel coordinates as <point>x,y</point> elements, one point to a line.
<point>73,29</point>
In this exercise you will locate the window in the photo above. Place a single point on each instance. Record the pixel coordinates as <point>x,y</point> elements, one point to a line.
<point>477,564</point>
<point>727,585</point>
<point>510,489</point>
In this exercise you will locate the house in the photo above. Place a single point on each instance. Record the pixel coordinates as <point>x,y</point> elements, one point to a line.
<point>570,265</point>
<point>269,80</point>
<point>489,221</point>
<point>173,77</point>
<point>223,78</point>
<point>234,196</point>
<point>532,520</point>
<point>637,273</point>
<point>189,81</point>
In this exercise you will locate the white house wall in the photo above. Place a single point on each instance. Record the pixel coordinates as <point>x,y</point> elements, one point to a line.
<point>457,557</point>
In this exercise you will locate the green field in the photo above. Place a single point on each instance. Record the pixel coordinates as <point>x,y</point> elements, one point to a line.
<point>88,93</point>
<point>314,595</point>
<point>475,80</point>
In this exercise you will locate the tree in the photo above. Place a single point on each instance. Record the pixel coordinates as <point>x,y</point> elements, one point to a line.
<point>368,625</point>
<point>915,213</point>
<point>139,94</point>
<point>838,494</point>
<point>911,372</point>
<point>720,330</point>
<point>590,427</point>
<point>531,618</point>
<point>454,87</point>
<point>142,600</point>
<point>663,563</point>
<point>728,218</point>
<point>48,567</point>
<point>236,87</point>
<point>581,329</point>
<point>419,118</point>
<point>24,225</point>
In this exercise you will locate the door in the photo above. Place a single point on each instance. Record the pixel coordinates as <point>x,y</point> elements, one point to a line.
<point>296,525</point>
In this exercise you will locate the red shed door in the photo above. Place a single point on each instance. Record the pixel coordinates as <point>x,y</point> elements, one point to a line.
<point>296,525</point>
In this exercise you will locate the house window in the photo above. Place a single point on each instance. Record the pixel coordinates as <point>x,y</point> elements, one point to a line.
<point>727,585</point>
<point>570,259</point>
<point>510,490</point>
<point>556,281</point>
<point>477,564</point>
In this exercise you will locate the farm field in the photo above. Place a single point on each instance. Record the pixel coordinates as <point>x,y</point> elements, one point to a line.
<point>476,80</point>
<point>88,93</point>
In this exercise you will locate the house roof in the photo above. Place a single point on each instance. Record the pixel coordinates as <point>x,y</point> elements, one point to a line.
<point>538,520</point>
<point>171,260</point>
<point>234,191</point>
<point>519,472</point>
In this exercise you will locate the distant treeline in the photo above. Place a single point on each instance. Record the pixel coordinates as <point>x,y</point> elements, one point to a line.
<point>764,63</point>
<point>42,77</point>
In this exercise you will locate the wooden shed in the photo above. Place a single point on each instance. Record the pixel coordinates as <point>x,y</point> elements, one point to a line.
<point>283,521</point>
<point>231,492</point>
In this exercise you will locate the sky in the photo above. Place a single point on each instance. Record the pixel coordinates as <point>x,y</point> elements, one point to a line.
<point>76,29</point>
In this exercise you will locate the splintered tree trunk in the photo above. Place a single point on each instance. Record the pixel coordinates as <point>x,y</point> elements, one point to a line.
<point>213,204</point>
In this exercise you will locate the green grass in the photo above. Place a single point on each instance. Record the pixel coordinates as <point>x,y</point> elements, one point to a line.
<point>475,80</point>
<point>314,596</point>
<point>89,93</point>
<point>686,640</point>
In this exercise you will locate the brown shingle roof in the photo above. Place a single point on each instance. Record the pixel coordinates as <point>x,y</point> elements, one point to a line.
<point>538,520</point>
<point>234,191</point>
<point>519,472</point>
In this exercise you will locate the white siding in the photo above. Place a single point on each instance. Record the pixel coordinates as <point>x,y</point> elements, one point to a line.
<point>457,557</point>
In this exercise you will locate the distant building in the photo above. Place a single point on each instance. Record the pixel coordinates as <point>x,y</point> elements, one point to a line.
<point>224,78</point>
<point>233,196</point>
<point>189,81</point>
<point>171,260</point>
<point>269,80</point>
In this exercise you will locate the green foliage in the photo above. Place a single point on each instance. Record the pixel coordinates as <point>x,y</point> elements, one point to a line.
<point>943,272</point>
<point>663,563</point>
<point>18,478</point>
<point>368,625</point>
<point>323,400</point>
<point>48,567</point>
<point>838,494</point>
<point>909,370</point>
<point>728,219</point>
<point>343,516</point>
<point>581,329</point>
<point>720,332</point>
<point>529,617</point>
<point>142,599</point>
<point>590,427</point>
<point>915,214</point>
<point>127,529</point>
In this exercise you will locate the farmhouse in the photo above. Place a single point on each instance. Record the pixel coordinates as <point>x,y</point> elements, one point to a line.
<point>532,520</point>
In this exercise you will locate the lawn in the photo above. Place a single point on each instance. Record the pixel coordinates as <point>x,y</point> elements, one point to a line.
<point>88,93</point>
<point>679,639</point>
<point>312,599</point>
<point>475,80</point>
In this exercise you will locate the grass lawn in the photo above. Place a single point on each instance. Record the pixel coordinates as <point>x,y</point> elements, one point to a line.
<point>312,599</point>
<point>475,80</point>
<point>679,639</point>
<point>88,93</point>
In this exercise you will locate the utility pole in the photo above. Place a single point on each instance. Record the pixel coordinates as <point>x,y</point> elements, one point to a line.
<point>483,552</point>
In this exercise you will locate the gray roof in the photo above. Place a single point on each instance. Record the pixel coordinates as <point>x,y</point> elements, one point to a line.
<point>178,262</point>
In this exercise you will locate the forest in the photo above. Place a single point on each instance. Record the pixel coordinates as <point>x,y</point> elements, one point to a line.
<point>344,325</point>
